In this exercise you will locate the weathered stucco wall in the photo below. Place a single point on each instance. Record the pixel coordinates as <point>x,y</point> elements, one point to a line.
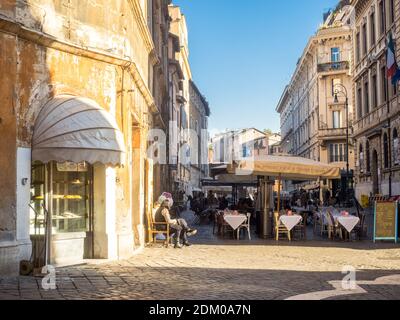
<point>8,132</point>
<point>37,70</point>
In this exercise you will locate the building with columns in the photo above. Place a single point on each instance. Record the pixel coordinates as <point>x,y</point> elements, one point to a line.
<point>313,122</point>
<point>377,121</point>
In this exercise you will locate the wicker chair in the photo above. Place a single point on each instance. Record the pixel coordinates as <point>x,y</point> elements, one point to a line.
<point>280,228</point>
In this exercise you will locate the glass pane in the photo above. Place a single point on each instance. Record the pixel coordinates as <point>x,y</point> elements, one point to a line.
<point>336,153</point>
<point>37,216</point>
<point>336,119</point>
<point>335,52</point>
<point>70,212</point>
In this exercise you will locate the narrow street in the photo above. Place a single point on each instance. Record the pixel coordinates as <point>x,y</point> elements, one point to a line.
<point>218,269</point>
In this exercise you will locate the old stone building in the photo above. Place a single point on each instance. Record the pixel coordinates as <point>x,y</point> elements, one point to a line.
<point>198,124</point>
<point>377,108</point>
<point>179,29</point>
<point>312,107</point>
<point>159,26</point>
<point>75,110</point>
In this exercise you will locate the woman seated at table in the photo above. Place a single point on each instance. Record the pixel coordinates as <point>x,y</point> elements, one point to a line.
<point>179,227</point>
<point>286,211</point>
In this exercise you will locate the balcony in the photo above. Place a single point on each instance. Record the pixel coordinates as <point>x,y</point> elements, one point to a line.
<point>333,67</point>
<point>329,134</point>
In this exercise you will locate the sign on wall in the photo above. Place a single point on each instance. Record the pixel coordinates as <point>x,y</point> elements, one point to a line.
<point>385,221</point>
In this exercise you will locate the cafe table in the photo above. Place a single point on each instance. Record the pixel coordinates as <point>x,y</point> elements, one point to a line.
<point>291,221</point>
<point>348,222</point>
<point>235,220</point>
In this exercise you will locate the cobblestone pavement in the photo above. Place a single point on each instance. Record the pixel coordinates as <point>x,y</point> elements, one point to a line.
<point>224,269</point>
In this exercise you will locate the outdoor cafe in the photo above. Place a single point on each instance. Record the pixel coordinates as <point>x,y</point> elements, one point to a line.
<point>268,214</point>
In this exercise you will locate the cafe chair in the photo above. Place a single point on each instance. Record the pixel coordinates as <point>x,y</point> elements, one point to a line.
<point>318,224</point>
<point>225,227</point>
<point>301,228</point>
<point>245,225</point>
<point>158,228</point>
<point>333,229</point>
<point>360,230</point>
<point>280,228</point>
<point>216,225</point>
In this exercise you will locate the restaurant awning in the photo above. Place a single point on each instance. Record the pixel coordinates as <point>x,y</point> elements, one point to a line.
<point>76,129</point>
<point>285,167</point>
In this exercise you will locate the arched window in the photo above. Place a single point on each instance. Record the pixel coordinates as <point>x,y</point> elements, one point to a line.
<point>396,146</point>
<point>361,158</point>
<point>385,151</point>
<point>368,157</point>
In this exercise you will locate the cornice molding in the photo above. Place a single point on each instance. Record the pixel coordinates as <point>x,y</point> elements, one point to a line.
<point>48,41</point>
<point>144,30</point>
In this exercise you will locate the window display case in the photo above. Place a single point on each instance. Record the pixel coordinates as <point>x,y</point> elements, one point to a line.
<point>67,189</point>
<point>70,197</point>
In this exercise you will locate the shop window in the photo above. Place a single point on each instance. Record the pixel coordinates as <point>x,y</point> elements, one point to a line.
<point>368,157</point>
<point>361,158</point>
<point>68,189</point>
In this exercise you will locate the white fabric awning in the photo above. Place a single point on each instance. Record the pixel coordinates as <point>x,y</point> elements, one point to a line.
<point>286,167</point>
<point>76,129</point>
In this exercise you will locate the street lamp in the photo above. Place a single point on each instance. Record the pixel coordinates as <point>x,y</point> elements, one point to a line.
<point>341,89</point>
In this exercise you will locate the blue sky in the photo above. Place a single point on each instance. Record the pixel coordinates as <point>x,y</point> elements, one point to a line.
<point>243,53</point>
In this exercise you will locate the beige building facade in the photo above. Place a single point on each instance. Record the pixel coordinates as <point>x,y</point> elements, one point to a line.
<point>179,29</point>
<point>313,122</point>
<point>377,122</point>
<point>77,107</point>
<point>198,124</point>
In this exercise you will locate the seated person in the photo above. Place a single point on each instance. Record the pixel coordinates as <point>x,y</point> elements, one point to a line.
<point>179,227</point>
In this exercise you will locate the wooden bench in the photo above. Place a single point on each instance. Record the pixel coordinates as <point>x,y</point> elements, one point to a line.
<point>152,229</point>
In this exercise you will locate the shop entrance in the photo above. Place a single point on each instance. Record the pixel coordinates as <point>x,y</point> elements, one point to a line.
<point>61,220</point>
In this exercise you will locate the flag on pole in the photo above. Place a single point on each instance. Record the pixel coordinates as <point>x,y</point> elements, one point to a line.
<point>393,70</point>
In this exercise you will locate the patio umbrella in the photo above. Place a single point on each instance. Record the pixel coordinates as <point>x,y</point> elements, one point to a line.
<point>285,167</point>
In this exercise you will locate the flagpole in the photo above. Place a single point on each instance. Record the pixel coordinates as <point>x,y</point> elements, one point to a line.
<point>389,124</point>
<point>388,102</point>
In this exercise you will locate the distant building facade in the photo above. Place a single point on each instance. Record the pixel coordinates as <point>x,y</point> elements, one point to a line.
<point>198,124</point>
<point>313,123</point>
<point>238,144</point>
<point>377,119</point>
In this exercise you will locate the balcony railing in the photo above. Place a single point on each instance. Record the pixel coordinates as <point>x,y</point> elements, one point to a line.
<point>330,133</point>
<point>334,66</point>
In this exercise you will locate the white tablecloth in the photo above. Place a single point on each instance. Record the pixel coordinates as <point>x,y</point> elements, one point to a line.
<point>349,222</point>
<point>290,221</point>
<point>235,221</point>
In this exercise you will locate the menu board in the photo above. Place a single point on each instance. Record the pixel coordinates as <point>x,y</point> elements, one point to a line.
<point>385,222</point>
